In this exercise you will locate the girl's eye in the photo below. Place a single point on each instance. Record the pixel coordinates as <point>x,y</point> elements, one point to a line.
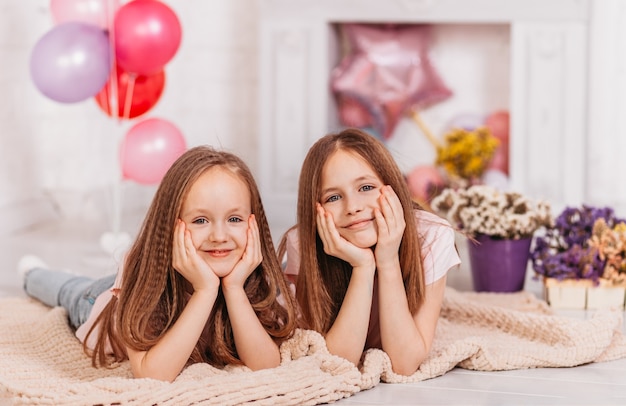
<point>235,220</point>
<point>332,198</point>
<point>200,221</point>
<point>367,188</point>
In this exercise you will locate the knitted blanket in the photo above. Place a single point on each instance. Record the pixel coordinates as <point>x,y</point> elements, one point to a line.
<point>41,361</point>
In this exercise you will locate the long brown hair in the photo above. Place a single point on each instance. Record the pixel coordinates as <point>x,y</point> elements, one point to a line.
<point>323,279</point>
<point>152,294</point>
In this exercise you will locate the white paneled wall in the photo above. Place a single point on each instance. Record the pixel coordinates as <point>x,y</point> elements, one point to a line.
<point>526,56</point>
<point>559,67</point>
<point>61,159</point>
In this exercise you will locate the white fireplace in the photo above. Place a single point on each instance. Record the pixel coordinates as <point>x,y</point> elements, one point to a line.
<point>547,50</point>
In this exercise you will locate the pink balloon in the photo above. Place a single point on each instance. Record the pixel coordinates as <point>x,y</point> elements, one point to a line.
<point>498,123</point>
<point>388,72</point>
<point>424,181</point>
<point>149,149</point>
<point>352,113</point>
<point>147,35</point>
<point>95,12</point>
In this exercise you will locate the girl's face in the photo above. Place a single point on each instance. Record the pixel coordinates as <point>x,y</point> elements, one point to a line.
<point>216,212</point>
<point>350,190</point>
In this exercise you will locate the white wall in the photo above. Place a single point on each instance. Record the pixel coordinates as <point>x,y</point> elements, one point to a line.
<point>60,160</point>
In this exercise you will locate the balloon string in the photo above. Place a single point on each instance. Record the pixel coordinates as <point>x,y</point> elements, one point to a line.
<point>129,95</point>
<point>113,81</point>
<point>114,109</point>
<point>420,123</point>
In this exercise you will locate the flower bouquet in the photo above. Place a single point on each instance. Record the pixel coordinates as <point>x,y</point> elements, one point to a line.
<point>466,154</point>
<point>485,210</point>
<point>500,226</point>
<point>585,250</point>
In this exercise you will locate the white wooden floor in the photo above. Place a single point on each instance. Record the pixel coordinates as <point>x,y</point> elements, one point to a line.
<point>75,245</point>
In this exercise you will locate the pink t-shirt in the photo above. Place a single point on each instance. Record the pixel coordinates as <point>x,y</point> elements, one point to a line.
<point>439,255</point>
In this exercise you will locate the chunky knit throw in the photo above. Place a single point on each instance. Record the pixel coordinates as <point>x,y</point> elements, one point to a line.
<point>41,361</point>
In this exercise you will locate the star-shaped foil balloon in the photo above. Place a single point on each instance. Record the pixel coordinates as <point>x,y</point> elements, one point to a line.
<point>386,74</point>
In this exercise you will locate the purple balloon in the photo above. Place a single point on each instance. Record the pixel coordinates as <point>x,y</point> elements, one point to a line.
<point>71,62</point>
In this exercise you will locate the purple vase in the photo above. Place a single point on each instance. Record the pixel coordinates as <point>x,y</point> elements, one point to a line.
<point>498,265</point>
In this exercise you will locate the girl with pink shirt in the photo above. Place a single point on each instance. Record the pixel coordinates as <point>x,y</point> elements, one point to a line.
<point>201,282</point>
<point>369,265</point>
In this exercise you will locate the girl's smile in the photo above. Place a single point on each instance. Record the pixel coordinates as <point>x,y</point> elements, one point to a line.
<point>359,224</point>
<point>349,191</point>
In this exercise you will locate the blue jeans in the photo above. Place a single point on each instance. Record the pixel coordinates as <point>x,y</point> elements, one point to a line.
<point>76,294</point>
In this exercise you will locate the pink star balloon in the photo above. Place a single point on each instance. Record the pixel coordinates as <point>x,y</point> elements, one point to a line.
<point>386,73</point>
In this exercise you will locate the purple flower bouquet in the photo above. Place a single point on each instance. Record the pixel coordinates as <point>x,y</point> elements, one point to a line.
<point>565,252</point>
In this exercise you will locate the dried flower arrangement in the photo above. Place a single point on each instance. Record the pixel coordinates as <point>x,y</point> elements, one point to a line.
<point>611,245</point>
<point>483,209</point>
<point>585,243</point>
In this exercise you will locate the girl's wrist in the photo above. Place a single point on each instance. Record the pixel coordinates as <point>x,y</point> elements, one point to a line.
<point>389,270</point>
<point>390,264</point>
<point>207,293</point>
<point>234,293</point>
<point>369,269</point>
<point>231,287</point>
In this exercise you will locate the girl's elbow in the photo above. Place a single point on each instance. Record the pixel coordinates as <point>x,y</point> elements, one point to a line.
<point>407,366</point>
<point>157,376</point>
<point>405,369</point>
<point>160,374</point>
<point>269,363</point>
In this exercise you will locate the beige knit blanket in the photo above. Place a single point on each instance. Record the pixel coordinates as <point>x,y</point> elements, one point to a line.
<point>41,362</point>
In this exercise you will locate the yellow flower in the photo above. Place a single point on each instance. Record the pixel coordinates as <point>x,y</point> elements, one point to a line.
<point>466,154</point>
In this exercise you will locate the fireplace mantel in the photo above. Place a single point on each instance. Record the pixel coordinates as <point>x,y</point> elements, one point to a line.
<point>422,11</point>
<point>548,86</point>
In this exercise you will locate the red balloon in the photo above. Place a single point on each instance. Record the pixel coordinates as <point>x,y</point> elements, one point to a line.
<point>147,35</point>
<point>146,92</point>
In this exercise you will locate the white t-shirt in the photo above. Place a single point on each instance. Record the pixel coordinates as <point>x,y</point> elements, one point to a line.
<point>439,255</point>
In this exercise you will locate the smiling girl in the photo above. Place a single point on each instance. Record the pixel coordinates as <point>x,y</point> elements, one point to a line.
<point>368,264</point>
<point>200,283</point>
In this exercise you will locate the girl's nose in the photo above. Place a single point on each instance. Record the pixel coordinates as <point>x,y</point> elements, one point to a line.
<point>354,205</point>
<point>217,232</point>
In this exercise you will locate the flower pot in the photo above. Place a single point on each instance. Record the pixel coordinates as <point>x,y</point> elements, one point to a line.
<point>498,265</point>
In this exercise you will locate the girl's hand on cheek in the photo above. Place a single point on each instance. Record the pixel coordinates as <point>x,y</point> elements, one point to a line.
<point>188,263</point>
<point>336,245</point>
<point>391,225</point>
<point>251,258</point>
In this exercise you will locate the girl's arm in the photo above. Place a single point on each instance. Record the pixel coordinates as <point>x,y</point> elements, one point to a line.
<point>255,347</point>
<point>169,356</point>
<point>346,337</point>
<point>405,337</point>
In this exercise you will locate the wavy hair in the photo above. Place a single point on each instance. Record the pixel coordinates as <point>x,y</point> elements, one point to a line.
<point>152,294</point>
